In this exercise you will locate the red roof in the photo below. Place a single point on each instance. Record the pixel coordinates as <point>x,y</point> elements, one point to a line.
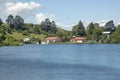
<point>52,38</point>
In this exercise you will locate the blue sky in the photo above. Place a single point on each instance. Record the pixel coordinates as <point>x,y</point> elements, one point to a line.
<point>68,12</point>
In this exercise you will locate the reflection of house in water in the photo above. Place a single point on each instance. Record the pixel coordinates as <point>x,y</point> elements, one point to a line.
<point>78,39</point>
<point>106,34</point>
<point>52,39</point>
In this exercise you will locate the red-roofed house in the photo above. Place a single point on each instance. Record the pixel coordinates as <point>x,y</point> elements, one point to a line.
<point>52,39</point>
<point>78,39</point>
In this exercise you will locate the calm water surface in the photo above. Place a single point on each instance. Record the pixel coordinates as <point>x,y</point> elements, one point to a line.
<point>60,62</point>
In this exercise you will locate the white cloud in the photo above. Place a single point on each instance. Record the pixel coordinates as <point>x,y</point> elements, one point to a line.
<point>102,22</point>
<point>41,17</point>
<point>20,8</point>
<point>65,26</point>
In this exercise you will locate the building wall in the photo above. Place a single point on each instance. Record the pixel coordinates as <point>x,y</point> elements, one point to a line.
<point>79,41</point>
<point>54,40</point>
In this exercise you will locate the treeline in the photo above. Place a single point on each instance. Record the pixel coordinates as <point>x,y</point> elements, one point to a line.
<point>14,26</point>
<point>93,32</point>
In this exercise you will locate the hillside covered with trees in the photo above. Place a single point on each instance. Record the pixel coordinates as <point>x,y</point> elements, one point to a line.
<point>14,30</point>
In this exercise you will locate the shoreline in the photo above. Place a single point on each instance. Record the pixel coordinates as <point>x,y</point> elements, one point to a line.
<point>59,44</point>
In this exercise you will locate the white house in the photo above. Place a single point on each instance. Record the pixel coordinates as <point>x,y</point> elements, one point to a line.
<point>106,33</point>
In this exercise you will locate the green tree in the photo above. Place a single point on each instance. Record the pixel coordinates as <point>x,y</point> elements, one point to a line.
<point>18,23</point>
<point>109,26</point>
<point>36,30</point>
<point>48,26</point>
<point>97,32</point>
<point>90,30</point>
<point>10,21</point>
<point>53,27</point>
<point>10,41</point>
<point>118,28</point>
<point>45,25</point>
<point>115,36</point>
<point>1,21</point>
<point>26,32</point>
<point>79,30</point>
<point>94,32</point>
<point>2,35</point>
<point>63,34</point>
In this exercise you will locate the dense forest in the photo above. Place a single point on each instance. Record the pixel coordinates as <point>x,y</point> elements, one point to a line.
<point>14,30</point>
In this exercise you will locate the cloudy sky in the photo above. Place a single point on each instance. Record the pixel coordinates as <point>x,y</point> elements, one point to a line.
<point>65,12</point>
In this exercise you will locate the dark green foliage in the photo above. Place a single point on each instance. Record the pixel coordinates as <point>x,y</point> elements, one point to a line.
<point>89,31</point>
<point>2,35</point>
<point>1,21</point>
<point>115,36</point>
<point>18,23</point>
<point>36,30</point>
<point>97,32</point>
<point>15,23</point>
<point>48,26</point>
<point>109,26</point>
<point>29,27</point>
<point>2,31</point>
<point>6,28</point>
<point>94,32</point>
<point>90,28</point>
<point>45,25</point>
<point>79,30</point>
<point>64,34</point>
<point>10,41</point>
<point>53,27</point>
<point>26,32</point>
<point>118,28</point>
<point>10,21</point>
<point>53,30</point>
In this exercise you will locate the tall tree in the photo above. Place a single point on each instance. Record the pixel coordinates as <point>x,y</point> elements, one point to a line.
<point>94,32</point>
<point>53,24</point>
<point>48,26</point>
<point>1,21</point>
<point>115,37</point>
<point>18,22</point>
<point>45,25</point>
<point>36,30</point>
<point>79,29</point>
<point>53,27</point>
<point>118,28</point>
<point>109,26</point>
<point>97,32</point>
<point>90,28</point>
<point>10,21</point>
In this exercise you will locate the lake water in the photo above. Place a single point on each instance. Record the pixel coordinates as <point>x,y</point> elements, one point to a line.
<point>60,62</point>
